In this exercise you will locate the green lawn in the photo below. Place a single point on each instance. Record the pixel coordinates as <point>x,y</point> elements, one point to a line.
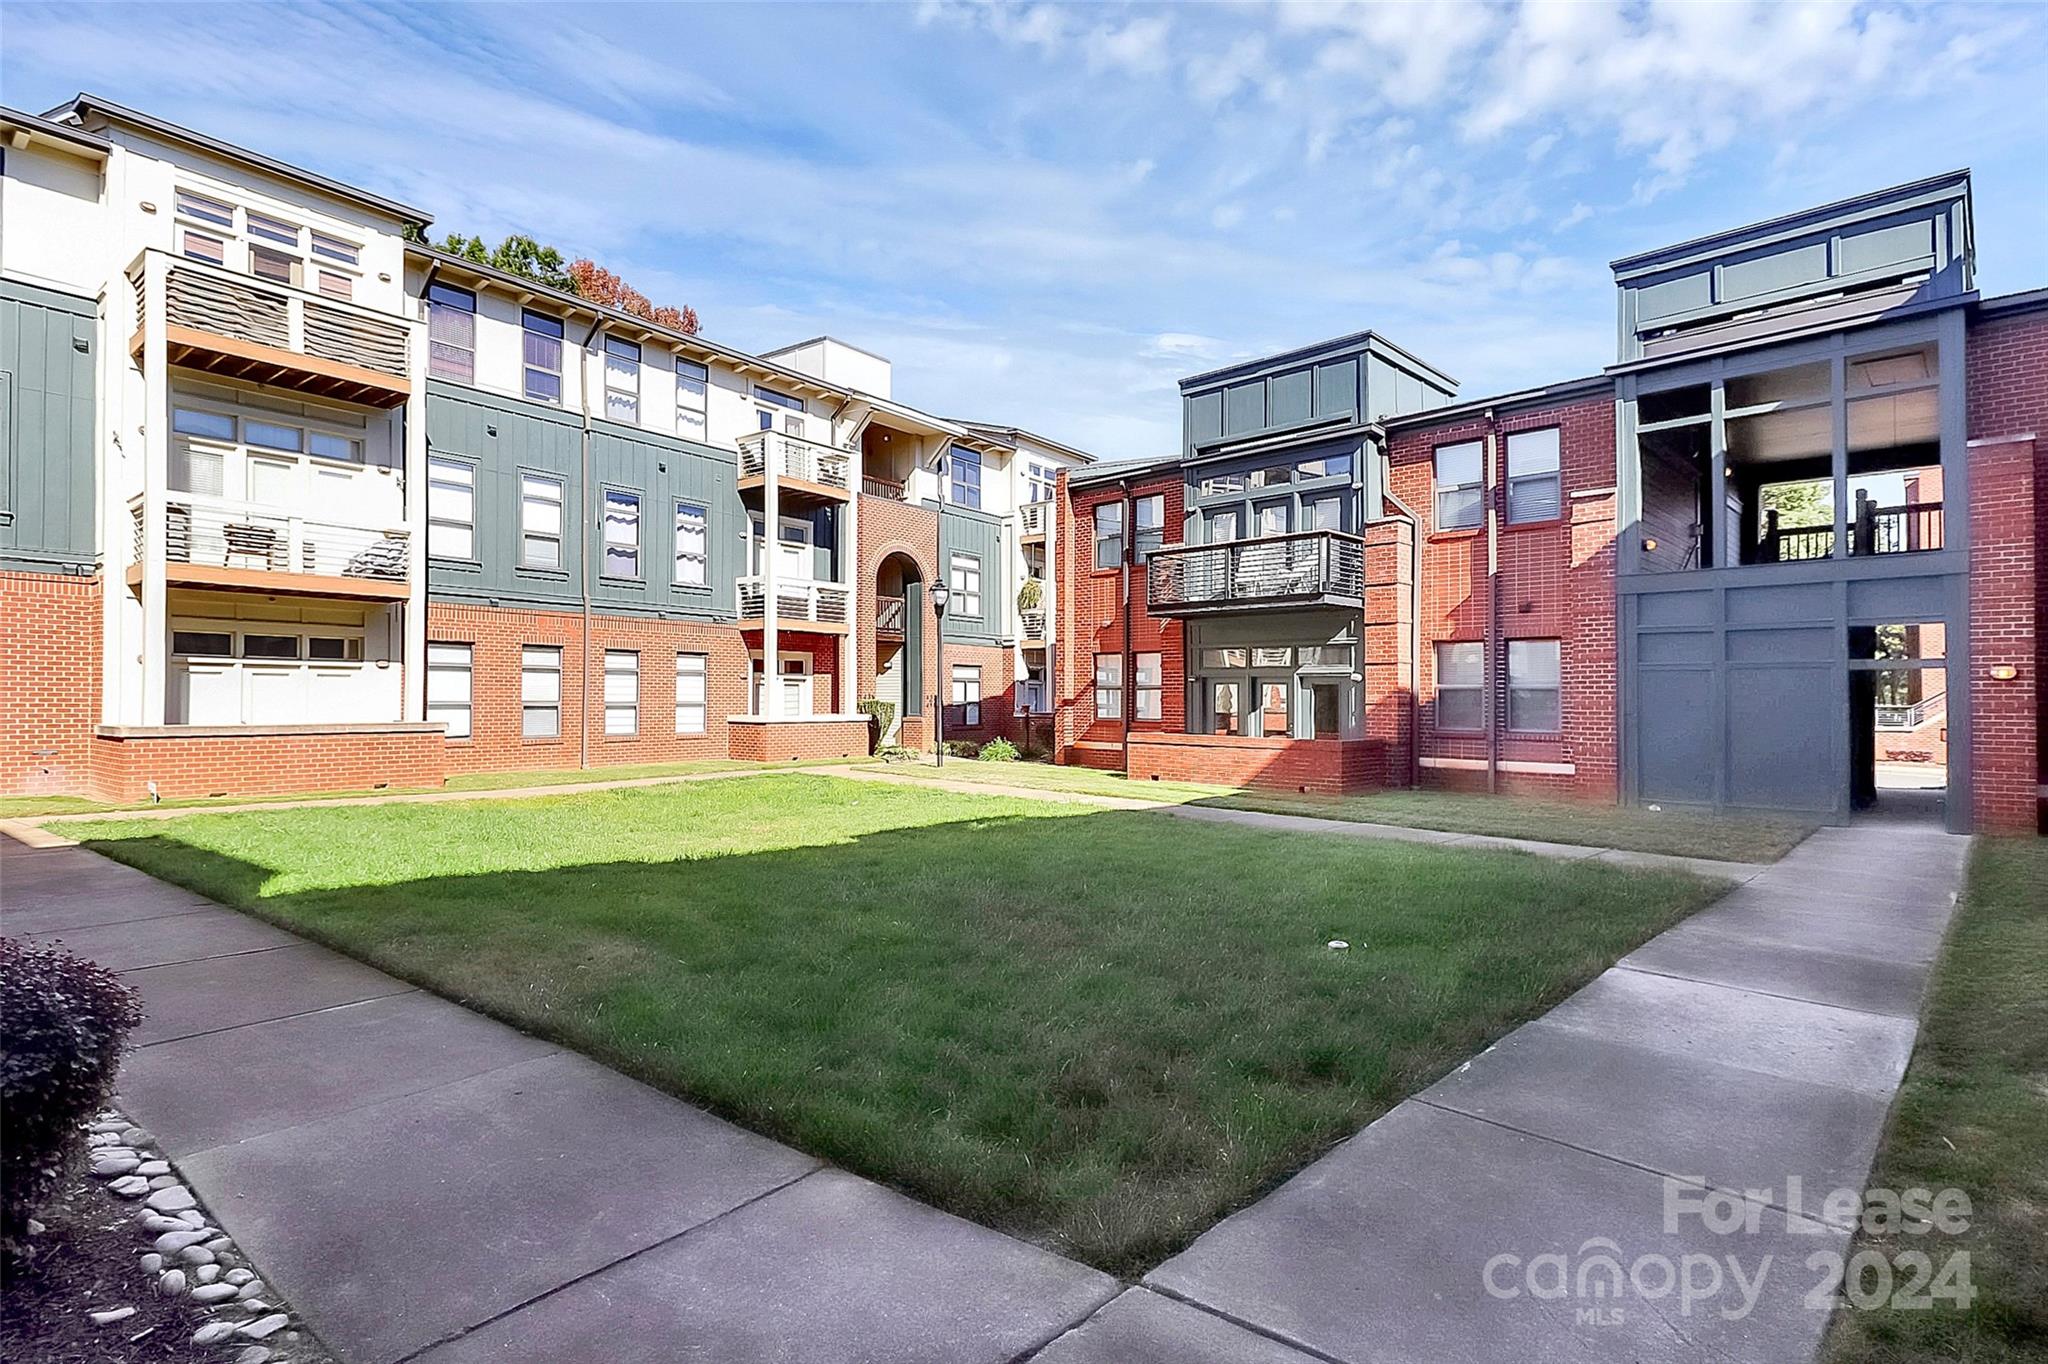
<point>1973,1115</point>
<point>1098,1029</point>
<point>1730,838</point>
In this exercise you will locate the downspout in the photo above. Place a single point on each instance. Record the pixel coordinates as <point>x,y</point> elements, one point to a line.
<point>583,578</point>
<point>1494,662</point>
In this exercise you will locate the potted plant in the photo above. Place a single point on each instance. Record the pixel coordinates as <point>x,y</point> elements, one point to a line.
<point>1031,607</point>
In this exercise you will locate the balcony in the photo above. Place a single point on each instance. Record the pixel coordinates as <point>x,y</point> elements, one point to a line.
<point>800,466</point>
<point>890,614</point>
<point>1034,520</point>
<point>241,327</point>
<point>887,488</point>
<point>213,542</point>
<point>1312,568</point>
<point>1903,529</point>
<point>1031,627</point>
<point>799,602</point>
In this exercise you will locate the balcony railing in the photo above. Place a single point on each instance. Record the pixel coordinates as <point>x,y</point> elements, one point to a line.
<point>890,614</point>
<point>796,599</point>
<point>792,457</point>
<point>1031,623</point>
<point>354,345</point>
<point>1310,568</point>
<point>1034,518</point>
<point>884,487</point>
<point>1912,716</point>
<point>1873,530</point>
<point>213,533</point>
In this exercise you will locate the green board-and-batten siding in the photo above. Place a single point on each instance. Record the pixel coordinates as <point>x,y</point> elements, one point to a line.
<point>981,535</point>
<point>46,428</point>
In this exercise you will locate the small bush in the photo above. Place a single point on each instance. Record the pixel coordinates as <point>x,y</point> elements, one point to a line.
<point>998,751</point>
<point>896,753</point>
<point>962,748</point>
<point>881,714</point>
<point>65,1021</point>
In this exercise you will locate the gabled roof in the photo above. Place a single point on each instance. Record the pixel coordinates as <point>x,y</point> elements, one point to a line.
<point>1011,435</point>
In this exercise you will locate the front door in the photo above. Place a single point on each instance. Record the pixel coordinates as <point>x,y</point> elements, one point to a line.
<point>792,696</point>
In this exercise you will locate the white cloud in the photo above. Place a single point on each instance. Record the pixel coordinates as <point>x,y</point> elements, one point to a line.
<point>1214,78</point>
<point>1139,47</point>
<point>1580,212</point>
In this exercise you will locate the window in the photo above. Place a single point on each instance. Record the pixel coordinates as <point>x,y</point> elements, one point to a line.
<point>540,521</point>
<point>621,534</point>
<point>451,333</point>
<point>692,539</point>
<point>792,410</point>
<point>1039,481</point>
<point>205,643</point>
<point>1460,498</point>
<point>966,583</point>
<point>336,286</point>
<point>448,687</point>
<point>334,248</point>
<point>541,354</point>
<point>621,691</point>
<point>1221,524</point>
<point>1273,706</point>
<point>540,691</point>
<point>327,446</point>
<point>451,509</point>
<point>271,436</point>
<point>1213,659</point>
<point>965,466</point>
<point>1535,487</point>
<point>1461,686</point>
<point>1151,525</point>
<point>1270,518</point>
<point>1322,513</point>
<point>193,421</point>
<point>967,693</point>
<point>1109,686</point>
<point>335,649</point>
<point>270,646</point>
<point>202,246</point>
<point>1150,686</point>
<point>205,209</point>
<point>273,265</point>
<point>693,384</point>
<point>273,229</point>
<point>690,693</point>
<point>1109,535</point>
<point>621,379</point>
<point>1533,700</point>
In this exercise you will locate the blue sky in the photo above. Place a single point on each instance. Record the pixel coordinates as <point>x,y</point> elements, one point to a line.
<point>1047,214</point>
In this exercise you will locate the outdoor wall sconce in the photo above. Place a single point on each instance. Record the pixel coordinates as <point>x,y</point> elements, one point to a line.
<point>2004,672</point>
<point>1649,545</point>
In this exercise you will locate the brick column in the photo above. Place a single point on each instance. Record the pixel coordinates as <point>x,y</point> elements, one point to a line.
<point>2005,735</point>
<point>1387,641</point>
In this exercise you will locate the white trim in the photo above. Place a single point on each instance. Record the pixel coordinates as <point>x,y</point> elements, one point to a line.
<point>1507,765</point>
<point>2000,440</point>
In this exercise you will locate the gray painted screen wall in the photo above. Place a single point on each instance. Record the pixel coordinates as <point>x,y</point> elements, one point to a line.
<point>1357,383</point>
<point>979,534</point>
<point>46,428</point>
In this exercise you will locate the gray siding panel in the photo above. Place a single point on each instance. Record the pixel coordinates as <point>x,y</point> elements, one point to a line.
<point>46,428</point>
<point>975,533</point>
<point>664,472</point>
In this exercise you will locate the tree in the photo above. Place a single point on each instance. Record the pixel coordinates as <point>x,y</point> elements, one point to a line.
<point>1811,503</point>
<point>522,255</point>
<point>592,281</point>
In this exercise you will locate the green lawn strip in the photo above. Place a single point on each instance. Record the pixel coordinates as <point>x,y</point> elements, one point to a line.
<point>1728,838</point>
<point>1045,776</point>
<point>1973,1115</point>
<point>1101,1030</point>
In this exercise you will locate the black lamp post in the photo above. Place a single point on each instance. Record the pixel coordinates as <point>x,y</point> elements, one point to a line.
<point>940,594</point>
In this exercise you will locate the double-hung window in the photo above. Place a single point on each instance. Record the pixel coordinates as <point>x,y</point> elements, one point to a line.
<point>693,386</point>
<point>621,692</point>
<point>1534,702</point>
<point>692,545</point>
<point>540,521</point>
<point>540,691</point>
<point>621,534</point>
<point>451,333</point>
<point>966,584</point>
<point>451,509</point>
<point>622,379</point>
<point>1460,485</point>
<point>691,702</point>
<point>448,688</point>
<point>1150,686</point>
<point>1109,535</point>
<point>1461,686</point>
<point>964,466</point>
<point>967,693</point>
<point>1535,486</point>
<point>1109,686</point>
<point>200,243</point>
<point>541,355</point>
<point>790,408</point>
<point>1151,525</point>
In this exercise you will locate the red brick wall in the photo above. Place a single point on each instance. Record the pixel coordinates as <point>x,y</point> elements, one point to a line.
<point>49,682</point>
<point>890,527</point>
<point>496,637</point>
<point>207,764</point>
<point>774,743</point>
<point>998,693</point>
<point>1317,766</point>
<point>2005,734</point>
<point>1556,582</point>
<point>1091,622</point>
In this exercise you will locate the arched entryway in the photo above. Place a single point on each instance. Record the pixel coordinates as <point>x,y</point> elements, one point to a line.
<point>899,640</point>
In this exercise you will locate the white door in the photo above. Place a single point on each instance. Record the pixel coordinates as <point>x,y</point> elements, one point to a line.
<point>792,694</point>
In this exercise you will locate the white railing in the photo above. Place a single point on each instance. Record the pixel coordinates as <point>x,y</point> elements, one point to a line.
<point>793,457</point>
<point>242,308</point>
<point>1032,622</point>
<point>217,533</point>
<point>799,599</point>
<point>884,487</point>
<point>1035,518</point>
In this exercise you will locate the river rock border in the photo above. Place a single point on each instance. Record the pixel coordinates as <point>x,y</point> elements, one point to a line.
<point>185,1254</point>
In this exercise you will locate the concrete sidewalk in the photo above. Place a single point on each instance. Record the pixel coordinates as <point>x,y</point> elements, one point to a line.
<point>1758,1041</point>
<point>423,1183</point>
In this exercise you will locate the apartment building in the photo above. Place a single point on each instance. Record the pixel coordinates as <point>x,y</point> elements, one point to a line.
<point>293,501</point>
<point>1785,554</point>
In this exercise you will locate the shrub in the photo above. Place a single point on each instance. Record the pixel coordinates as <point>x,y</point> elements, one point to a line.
<point>896,753</point>
<point>65,1021</point>
<point>998,751</point>
<point>881,714</point>
<point>962,748</point>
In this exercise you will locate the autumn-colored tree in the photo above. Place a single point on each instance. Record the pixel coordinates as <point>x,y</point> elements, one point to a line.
<point>592,281</point>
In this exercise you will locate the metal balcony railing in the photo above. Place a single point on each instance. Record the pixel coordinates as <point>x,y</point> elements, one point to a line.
<point>792,457</point>
<point>884,487</point>
<point>1034,518</point>
<point>796,599</point>
<point>1873,529</point>
<point>890,614</point>
<point>216,533</point>
<point>1310,567</point>
<point>210,299</point>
